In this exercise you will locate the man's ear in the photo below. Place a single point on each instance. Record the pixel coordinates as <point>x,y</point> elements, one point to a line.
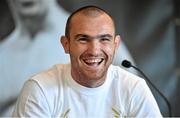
<point>65,43</point>
<point>117,42</point>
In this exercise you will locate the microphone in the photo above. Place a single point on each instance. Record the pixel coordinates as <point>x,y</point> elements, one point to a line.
<point>127,64</point>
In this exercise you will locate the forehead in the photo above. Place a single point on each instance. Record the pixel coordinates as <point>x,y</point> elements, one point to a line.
<point>97,22</point>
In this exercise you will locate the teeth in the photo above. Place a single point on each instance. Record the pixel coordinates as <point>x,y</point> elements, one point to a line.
<point>93,60</point>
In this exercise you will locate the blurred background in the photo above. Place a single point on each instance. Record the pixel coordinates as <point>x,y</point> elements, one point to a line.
<point>29,42</point>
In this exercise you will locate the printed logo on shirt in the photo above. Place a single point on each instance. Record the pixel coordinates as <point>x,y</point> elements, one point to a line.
<point>65,115</point>
<point>116,113</point>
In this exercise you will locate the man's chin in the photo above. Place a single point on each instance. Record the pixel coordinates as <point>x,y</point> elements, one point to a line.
<point>96,75</point>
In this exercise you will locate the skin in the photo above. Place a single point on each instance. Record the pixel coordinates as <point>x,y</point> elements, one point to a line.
<point>91,44</point>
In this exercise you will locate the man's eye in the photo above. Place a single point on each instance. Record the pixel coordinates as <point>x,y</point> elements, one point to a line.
<point>82,40</point>
<point>105,39</point>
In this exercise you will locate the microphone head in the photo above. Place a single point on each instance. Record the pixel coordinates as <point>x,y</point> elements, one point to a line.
<point>126,63</point>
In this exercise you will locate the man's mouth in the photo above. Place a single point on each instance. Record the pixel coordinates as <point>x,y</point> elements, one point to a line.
<point>93,62</point>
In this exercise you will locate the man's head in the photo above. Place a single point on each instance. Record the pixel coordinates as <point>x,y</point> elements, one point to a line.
<point>92,11</point>
<point>91,42</point>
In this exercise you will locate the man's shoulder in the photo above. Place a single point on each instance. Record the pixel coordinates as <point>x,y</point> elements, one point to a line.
<point>126,83</point>
<point>123,76</point>
<point>51,75</point>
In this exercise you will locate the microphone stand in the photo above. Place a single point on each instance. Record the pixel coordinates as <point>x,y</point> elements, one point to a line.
<point>162,95</point>
<point>128,64</point>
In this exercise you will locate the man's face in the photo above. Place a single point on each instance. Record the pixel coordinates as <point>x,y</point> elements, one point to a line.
<point>30,7</point>
<point>92,44</point>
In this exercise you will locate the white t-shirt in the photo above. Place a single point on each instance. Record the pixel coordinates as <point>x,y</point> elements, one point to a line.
<point>54,93</point>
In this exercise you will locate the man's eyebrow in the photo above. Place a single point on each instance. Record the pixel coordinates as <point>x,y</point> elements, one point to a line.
<point>98,36</point>
<point>105,36</point>
<point>81,35</point>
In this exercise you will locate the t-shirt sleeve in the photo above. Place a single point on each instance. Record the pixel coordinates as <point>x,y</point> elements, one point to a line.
<point>142,102</point>
<point>32,102</point>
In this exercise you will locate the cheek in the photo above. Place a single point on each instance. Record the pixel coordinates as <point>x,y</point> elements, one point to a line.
<point>109,49</point>
<point>77,50</point>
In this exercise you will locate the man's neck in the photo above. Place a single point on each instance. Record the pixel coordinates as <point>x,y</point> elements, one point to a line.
<point>88,82</point>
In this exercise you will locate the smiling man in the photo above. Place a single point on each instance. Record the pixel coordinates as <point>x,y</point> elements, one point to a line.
<point>91,42</point>
<point>90,86</point>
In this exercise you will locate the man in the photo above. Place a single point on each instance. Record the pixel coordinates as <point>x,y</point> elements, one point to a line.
<point>90,86</point>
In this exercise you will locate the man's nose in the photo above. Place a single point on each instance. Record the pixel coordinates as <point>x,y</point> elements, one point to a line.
<point>94,46</point>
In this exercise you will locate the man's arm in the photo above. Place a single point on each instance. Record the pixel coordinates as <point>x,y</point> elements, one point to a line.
<point>32,102</point>
<point>142,102</point>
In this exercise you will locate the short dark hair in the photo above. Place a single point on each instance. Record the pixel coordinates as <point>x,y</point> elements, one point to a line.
<point>88,10</point>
